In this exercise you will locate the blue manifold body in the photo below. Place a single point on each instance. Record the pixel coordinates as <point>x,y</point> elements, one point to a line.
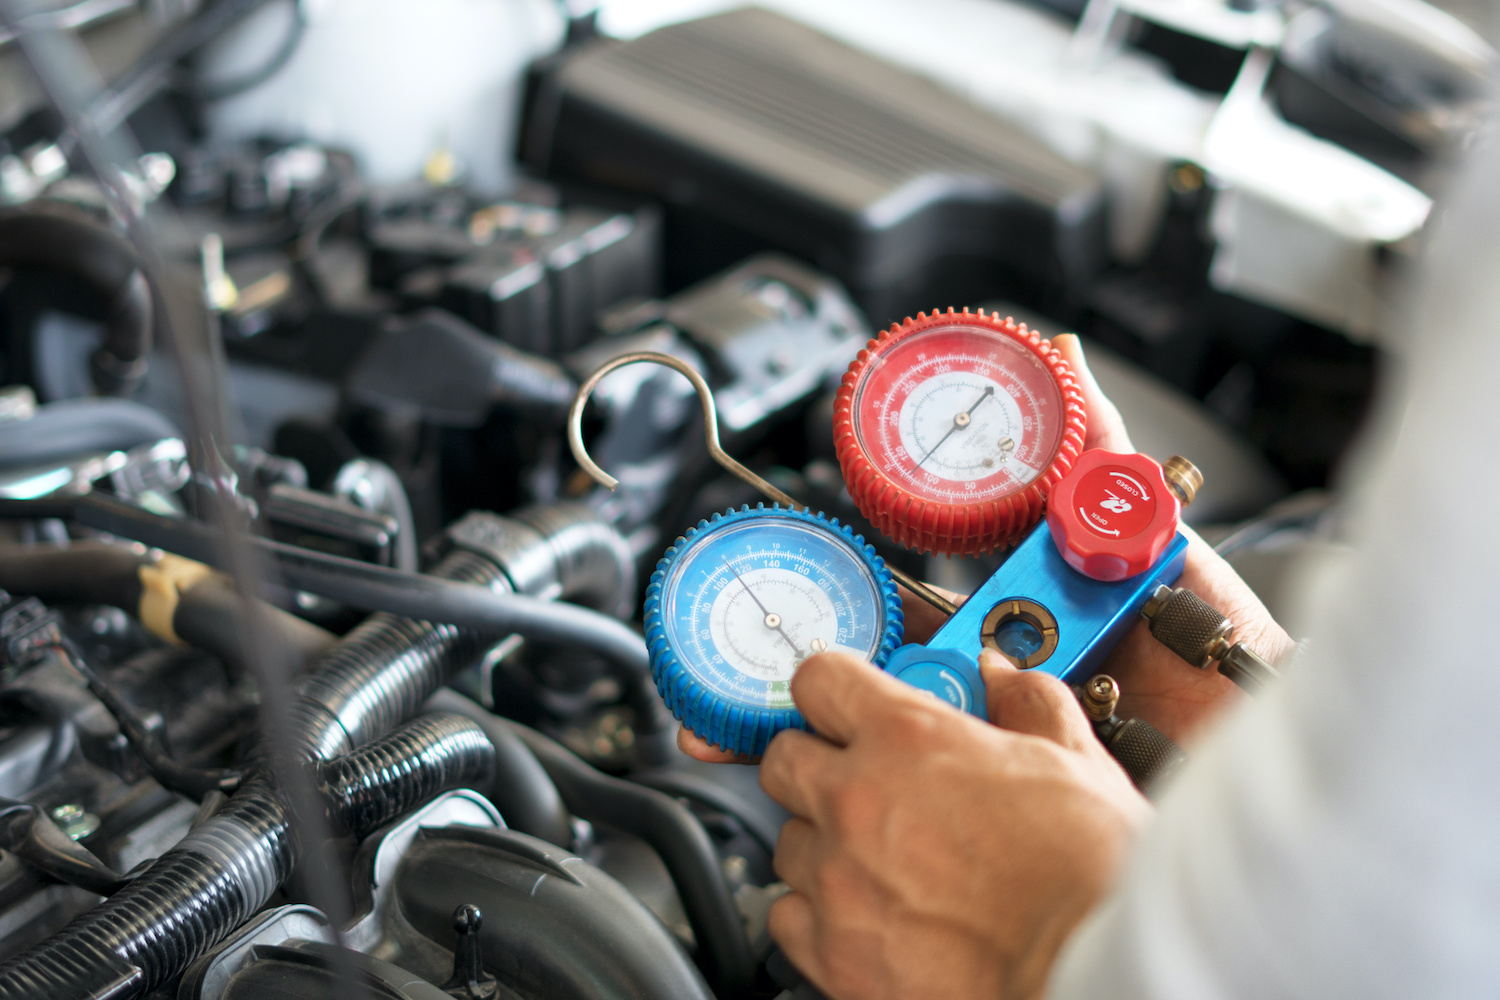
<point>1090,617</point>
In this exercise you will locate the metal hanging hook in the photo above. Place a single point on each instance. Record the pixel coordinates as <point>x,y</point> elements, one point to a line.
<point>710,424</point>
<point>711,438</point>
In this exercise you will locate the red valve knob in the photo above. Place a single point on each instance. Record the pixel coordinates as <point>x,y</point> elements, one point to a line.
<point>1112,515</point>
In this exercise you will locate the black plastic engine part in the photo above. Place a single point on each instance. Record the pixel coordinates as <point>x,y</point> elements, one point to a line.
<point>450,374</point>
<point>64,239</point>
<point>787,138</point>
<point>311,970</point>
<point>469,980</point>
<point>553,924</point>
<point>541,293</point>
<point>660,820</point>
<point>315,520</point>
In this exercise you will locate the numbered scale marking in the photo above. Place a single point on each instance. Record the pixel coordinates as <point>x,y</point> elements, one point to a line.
<point>951,428</point>
<point>740,601</point>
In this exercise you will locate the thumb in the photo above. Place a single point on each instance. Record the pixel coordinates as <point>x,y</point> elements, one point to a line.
<point>1106,429</point>
<point>1028,701</point>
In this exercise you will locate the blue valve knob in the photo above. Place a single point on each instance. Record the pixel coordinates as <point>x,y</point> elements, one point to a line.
<point>948,674</point>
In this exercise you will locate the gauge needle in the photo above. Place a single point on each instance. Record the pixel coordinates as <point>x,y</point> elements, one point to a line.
<point>960,421</point>
<point>773,620</point>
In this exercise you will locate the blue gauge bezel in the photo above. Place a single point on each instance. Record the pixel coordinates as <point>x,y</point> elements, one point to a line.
<point>739,728</point>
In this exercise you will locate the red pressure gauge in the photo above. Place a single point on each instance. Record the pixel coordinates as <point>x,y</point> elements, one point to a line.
<point>952,428</point>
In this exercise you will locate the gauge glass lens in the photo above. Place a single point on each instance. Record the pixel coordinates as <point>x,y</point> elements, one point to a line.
<point>959,414</point>
<point>748,604</point>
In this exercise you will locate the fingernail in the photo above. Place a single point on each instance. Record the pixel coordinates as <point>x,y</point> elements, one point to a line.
<point>990,659</point>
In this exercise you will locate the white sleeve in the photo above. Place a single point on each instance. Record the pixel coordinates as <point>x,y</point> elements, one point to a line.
<point>1340,836</point>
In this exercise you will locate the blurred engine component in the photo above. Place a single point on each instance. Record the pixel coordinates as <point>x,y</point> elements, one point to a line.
<point>769,334</point>
<point>537,288</point>
<point>1364,78</point>
<point>759,132</point>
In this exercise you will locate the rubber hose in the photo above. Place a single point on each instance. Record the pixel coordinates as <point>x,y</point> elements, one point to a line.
<point>382,671</point>
<point>212,616</point>
<point>521,790</point>
<point>213,880</point>
<point>82,573</point>
<point>674,833</point>
<point>64,239</point>
<point>228,867</point>
<point>208,615</point>
<point>376,588</point>
<point>60,432</point>
<point>397,773</point>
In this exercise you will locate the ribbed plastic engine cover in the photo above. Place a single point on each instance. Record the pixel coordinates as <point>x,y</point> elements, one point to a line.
<point>805,144</point>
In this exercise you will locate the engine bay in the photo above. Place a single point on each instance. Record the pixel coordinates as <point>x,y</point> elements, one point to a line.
<point>321,665</point>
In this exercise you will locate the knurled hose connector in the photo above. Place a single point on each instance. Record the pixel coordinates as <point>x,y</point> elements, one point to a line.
<point>1144,751</point>
<point>1187,625</point>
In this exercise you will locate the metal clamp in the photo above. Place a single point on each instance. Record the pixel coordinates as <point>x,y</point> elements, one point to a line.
<point>711,438</point>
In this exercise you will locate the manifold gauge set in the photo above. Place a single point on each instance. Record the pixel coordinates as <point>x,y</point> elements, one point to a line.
<point>957,433</point>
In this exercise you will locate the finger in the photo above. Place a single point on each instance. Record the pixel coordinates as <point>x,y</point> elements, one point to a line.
<point>922,619</point>
<point>796,854</point>
<point>797,770</point>
<point>698,748</point>
<point>1106,428</point>
<point>1025,701</point>
<point>839,694</point>
<point>792,923</point>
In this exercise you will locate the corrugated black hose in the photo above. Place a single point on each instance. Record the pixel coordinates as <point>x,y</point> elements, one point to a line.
<point>228,867</point>
<point>392,776</point>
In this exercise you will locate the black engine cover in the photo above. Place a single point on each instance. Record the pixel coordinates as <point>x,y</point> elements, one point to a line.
<point>783,137</point>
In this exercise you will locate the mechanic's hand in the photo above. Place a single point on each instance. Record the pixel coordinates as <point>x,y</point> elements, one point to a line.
<point>932,855</point>
<point>1155,684</point>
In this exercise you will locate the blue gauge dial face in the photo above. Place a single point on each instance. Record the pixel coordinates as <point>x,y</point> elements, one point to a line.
<point>749,603</point>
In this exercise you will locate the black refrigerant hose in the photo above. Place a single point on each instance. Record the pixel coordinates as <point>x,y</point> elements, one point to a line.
<point>64,239</point>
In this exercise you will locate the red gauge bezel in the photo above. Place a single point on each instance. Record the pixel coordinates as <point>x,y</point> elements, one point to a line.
<point>933,526</point>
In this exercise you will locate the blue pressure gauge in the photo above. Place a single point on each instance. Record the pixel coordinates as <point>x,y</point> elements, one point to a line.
<point>741,600</point>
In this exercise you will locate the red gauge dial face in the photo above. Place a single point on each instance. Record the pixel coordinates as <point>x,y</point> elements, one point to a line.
<point>959,414</point>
